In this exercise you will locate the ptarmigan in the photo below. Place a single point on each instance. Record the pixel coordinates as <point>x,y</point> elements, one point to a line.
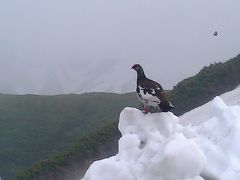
<point>150,92</point>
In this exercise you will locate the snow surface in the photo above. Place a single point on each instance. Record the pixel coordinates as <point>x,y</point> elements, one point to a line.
<point>159,147</point>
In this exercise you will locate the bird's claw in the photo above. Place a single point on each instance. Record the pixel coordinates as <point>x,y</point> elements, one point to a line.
<point>145,110</point>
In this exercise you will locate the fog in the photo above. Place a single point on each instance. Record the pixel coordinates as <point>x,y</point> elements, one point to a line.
<point>56,46</point>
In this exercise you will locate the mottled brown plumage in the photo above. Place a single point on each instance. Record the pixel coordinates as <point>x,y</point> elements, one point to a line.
<point>150,92</point>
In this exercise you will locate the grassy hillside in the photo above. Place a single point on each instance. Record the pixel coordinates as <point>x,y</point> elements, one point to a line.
<point>186,95</point>
<point>36,127</point>
<point>72,163</point>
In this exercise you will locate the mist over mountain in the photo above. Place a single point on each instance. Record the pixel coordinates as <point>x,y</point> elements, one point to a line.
<point>106,76</point>
<point>77,46</point>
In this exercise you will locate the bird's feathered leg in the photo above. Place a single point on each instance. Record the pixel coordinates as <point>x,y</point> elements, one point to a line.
<point>146,109</point>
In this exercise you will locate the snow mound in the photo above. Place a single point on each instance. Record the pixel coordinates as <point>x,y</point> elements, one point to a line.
<point>156,147</point>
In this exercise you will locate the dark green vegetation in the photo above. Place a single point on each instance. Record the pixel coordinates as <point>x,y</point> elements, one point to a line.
<point>72,163</point>
<point>209,82</point>
<point>35,127</point>
<point>186,95</point>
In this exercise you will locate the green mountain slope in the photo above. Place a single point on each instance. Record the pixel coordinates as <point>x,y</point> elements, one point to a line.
<point>36,127</point>
<point>208,83</point>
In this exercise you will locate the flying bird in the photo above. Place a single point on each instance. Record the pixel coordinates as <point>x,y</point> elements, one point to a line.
<point>150,93</point>
<point>215,33</point>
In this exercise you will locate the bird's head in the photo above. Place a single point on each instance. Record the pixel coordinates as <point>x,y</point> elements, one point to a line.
<point>136,67</point>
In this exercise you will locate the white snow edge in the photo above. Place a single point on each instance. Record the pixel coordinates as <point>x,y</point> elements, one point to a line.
<point>156,147</point>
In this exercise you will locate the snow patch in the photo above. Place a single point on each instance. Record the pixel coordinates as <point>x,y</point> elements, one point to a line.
<point>156,147</point>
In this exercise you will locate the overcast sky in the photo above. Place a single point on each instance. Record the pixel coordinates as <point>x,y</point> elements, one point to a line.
<point>172,39</point>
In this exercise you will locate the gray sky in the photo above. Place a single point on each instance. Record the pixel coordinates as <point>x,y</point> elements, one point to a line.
<point>57,46</point>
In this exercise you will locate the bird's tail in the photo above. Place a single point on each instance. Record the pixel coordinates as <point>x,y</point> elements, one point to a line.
<point>166,106</point>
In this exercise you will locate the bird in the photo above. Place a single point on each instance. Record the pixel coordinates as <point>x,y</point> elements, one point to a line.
<point>215,33</point>
<point>150,93</point>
